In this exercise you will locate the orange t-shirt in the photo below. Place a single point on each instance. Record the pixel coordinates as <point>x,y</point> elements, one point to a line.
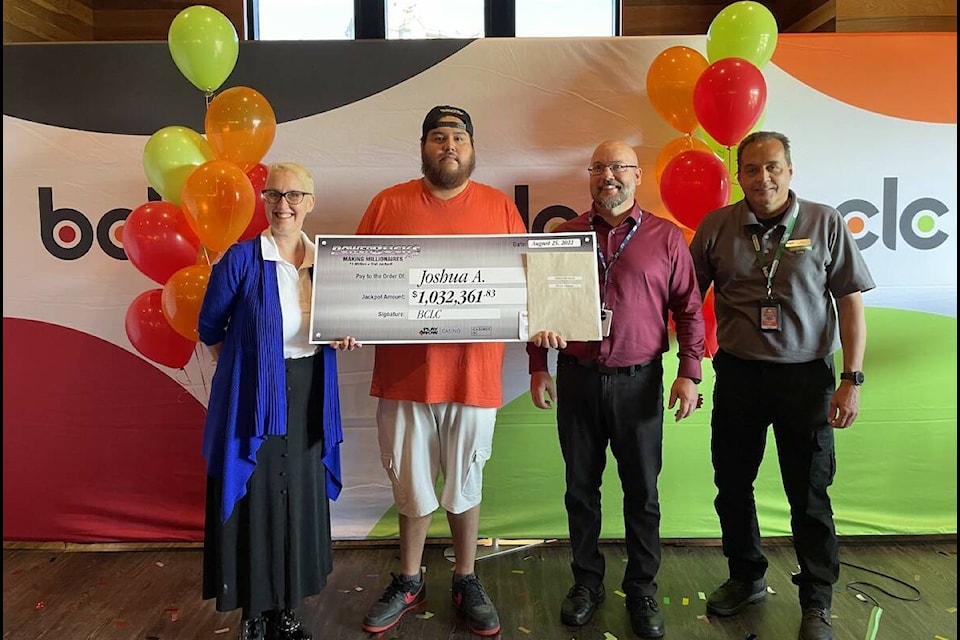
<point>467,373</point>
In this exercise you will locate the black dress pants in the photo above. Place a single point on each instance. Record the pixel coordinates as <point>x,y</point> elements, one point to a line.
<point>624,410</point>
<point>748,397</point>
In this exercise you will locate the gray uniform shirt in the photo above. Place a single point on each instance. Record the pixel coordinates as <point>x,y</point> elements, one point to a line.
<point>806,283</point>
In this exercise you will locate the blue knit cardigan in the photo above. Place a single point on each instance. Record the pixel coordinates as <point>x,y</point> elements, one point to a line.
<point>248,398</point>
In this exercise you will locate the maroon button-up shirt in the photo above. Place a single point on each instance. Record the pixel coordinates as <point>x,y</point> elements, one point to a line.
<point>654,275</point>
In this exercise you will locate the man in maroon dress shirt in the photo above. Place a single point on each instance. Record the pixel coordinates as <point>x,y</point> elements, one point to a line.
<point>611,391</point>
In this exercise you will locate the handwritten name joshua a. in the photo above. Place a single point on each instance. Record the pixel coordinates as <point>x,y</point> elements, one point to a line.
<point>469,276</point>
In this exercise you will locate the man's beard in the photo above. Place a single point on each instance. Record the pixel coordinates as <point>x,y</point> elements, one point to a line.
<point>434,172</point>
<point>613,201</point>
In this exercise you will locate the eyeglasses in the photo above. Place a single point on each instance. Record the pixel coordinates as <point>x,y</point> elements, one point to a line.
<point>616,167</point>
<point>272,196</point>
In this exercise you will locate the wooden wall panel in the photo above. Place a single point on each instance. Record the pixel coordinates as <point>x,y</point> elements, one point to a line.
<point>896,15</point>
<point>47,21</point>
<point>138,20</point>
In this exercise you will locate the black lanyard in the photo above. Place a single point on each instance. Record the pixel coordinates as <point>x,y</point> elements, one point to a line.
<point>770,271</point>
<point>606,267</point>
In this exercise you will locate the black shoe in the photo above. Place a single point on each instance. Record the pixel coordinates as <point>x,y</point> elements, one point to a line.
<point>734,595</point>
<point>579,605</point>
<point>401,596</point>
<point>645,616</point>
<point>815,624</point>
<point>284,625</point>
<point>471,599</point>
<point>251,629</point>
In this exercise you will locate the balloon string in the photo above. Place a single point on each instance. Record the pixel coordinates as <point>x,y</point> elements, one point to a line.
<point>206,255</point>
<point>203,378</point>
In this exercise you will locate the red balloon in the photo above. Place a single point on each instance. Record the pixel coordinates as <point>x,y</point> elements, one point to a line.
<point>158,240</point>
<point>729,98</point>
<point>151,334</point>
<point>259,222</point>
<point>693,184</point>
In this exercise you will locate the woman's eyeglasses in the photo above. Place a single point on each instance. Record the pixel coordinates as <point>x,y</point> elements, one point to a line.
<point>272,196</point>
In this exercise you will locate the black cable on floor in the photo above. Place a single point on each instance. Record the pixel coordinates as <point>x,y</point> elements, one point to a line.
<point>856,584</point>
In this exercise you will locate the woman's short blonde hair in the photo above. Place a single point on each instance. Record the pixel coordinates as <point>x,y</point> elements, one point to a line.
<point>296,169</point>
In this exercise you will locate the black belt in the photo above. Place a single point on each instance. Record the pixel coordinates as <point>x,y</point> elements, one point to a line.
<point>593,365</point>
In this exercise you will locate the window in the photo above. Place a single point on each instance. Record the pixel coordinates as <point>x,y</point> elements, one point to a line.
<point>419,19</point>
<point>305,20</point>
<point>567,18</point>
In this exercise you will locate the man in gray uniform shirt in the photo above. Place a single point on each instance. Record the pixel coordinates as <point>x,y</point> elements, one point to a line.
<point>787,278</point>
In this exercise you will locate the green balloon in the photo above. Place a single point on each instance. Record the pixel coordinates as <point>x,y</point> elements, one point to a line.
<point>743,30</point>
<point>204,46</point>
<point>170,156</point>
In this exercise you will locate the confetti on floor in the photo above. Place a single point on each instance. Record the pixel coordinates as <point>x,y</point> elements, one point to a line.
<point>704,619</point>
<point>520,571</point>
<point>40,606</point>
<point>620,593</point>
<point>940,638</point>
<point>222,631</point>
<point>701,595</point>
<point>770,590</point>
<point>426,615</point>
<point>952,610</point>
<point>525,630</point>
<point>666,600</point>
<point>159,564</point>
<point>174,613</point>
<point>609,636</point>
<point>685,601</point>
<point>358,588</point>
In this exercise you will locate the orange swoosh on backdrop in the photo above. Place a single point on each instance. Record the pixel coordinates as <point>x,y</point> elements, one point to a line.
<point>909,75</point>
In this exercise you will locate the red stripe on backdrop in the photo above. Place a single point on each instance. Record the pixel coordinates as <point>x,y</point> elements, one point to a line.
<point>904,75</point>
<point>98,444</point>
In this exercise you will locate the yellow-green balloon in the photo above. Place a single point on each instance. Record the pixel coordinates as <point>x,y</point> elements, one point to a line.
<point>170,156</point>
<point>204,46</point>
<point>743,30</point>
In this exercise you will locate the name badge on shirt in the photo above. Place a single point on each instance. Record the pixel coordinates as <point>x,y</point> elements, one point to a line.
<point>798,245</point>
<point>606,317</point>
<point>770,315</point>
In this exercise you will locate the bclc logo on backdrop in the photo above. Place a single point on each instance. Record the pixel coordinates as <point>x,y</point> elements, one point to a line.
<point>68,234</point>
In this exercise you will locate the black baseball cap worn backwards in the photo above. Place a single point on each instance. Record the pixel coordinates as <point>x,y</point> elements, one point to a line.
<point>432,121</point>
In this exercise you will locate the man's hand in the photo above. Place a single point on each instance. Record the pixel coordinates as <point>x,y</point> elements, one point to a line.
<point>549,339</point>
<point>684,390</point>
<point>346,343</point>
<point>541,382</point>
<point>844,406</point>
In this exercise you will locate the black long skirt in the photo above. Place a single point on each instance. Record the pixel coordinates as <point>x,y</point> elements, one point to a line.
<point>274,550</point>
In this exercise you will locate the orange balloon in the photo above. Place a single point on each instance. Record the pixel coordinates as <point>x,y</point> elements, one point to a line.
<point>677,146</point>
<point>670,83</point>
<point>182,297</point>
<point>219,201</point>
<point>240,126</point>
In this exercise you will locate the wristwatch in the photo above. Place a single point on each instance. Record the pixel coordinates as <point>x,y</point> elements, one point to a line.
<point>856,377</point>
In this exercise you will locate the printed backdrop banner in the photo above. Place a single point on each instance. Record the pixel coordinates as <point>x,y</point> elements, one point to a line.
<point>103,445</point>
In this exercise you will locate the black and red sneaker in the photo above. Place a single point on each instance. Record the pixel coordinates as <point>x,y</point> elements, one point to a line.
<point>401,596</point>
<point>471,600</point>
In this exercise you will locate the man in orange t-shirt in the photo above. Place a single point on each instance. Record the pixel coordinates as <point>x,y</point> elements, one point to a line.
<point>438,402</point>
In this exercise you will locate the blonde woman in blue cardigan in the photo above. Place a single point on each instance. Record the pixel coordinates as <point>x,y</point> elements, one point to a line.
<point>272,433</point>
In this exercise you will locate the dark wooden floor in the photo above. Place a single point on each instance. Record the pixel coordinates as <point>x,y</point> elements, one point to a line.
<point>154,595</point>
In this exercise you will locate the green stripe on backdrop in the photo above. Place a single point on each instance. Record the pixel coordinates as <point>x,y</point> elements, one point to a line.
<point>897,467</point>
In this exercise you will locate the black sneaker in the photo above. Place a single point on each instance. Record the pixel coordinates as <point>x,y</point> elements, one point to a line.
<point>645,616</point>
<point>815,624</point>
<point>734,595</point>
<point>470,599</point>
<point>579,605</point>
<point>284,625</point>
<point>401,596</point>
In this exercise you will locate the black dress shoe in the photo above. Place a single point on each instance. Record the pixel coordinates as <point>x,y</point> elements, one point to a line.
<point>579,605</point>
<point>734,595</point>
<point>284,625</point>
<point>252,629</point>
<point>645,617</point>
